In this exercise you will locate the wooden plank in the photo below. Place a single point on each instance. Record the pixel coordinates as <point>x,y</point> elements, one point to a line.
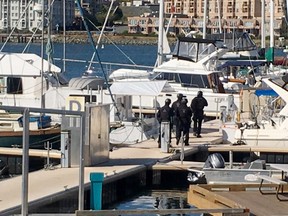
<point>219,201</point>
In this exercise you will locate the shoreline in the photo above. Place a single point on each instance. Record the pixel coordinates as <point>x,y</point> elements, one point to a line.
<point>110,39</point>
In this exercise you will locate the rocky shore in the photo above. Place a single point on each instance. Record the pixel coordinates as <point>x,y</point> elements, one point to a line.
<point>82,37</point>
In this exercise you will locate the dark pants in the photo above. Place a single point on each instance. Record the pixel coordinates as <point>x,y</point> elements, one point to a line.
<point>197,125</point>
<point>185,129</point>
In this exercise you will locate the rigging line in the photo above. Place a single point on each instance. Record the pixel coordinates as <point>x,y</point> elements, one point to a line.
<point>102,32</point>
<point>95,50</point>
<point>105,63</point>
<point>31,38</point>
<point>114,44</point>
<point>18,21</point>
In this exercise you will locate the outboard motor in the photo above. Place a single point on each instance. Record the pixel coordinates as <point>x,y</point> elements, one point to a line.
<point>214,161</point>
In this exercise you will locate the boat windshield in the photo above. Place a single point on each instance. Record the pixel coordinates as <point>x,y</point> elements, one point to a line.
<point>195,49</point>
<point>186,80</point>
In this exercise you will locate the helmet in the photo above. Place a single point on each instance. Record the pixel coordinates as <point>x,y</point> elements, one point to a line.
<point>168,101</point>
<point>199,94</point>
<point>180,96</point>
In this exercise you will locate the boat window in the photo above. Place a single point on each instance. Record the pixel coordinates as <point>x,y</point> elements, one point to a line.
<point>186,80</point>
<point>14,85</point>
<point>198,81</point>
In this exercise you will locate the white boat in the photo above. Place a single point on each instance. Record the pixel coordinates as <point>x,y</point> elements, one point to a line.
<point>191,69</point>
<point>264,130</point>
<point>215,171</point>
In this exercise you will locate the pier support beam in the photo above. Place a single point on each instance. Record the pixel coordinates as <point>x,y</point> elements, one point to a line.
<point>96,190</point>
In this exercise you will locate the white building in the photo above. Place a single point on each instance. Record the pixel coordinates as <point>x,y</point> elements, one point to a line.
<point>27,14</point>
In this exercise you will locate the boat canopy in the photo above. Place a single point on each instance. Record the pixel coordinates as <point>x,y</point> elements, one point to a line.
<point>141,88</point>
<point>86,83</point>
<point>24,64</point>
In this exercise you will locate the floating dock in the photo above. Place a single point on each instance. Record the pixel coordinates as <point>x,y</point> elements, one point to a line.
<point>127,166</point>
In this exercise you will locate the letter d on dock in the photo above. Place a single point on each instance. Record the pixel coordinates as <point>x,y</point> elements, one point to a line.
<point>96,190</point>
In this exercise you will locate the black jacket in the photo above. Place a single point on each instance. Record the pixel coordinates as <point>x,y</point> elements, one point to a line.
<point>165,114</point>
<point>197,106</point>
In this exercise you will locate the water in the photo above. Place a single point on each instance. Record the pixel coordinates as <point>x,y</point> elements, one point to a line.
<point>109,56</point>
<point>157,200</point>
<point>143,55</point>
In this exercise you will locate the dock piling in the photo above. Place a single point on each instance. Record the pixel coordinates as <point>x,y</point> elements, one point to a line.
<point>96,190</point>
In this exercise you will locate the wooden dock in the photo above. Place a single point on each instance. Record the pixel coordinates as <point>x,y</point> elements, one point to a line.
<point>244,196</point>
<point>49,185</point>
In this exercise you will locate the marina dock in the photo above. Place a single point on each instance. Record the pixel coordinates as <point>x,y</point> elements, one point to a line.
<point>47,186</point>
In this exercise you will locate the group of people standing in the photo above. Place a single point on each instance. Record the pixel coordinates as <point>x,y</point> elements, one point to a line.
<point>181,115</point>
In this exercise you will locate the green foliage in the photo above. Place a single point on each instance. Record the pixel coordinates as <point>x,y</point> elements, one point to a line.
<point>102,13</point>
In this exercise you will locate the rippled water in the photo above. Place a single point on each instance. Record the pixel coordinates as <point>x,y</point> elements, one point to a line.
<point>161,199</point>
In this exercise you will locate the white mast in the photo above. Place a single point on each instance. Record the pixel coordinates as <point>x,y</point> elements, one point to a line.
<point>205,19</point>
<point>270,54</point>
<point>219,16</point>
<point>263,24</point>
<point>160,33</point>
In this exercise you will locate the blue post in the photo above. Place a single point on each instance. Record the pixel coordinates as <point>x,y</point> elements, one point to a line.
<point>96,191</point>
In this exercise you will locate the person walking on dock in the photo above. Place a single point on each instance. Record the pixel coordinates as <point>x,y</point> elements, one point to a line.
<point>197,106</point>
<point>175,106</point>
<point>165,114</point>
<point>184,115</point>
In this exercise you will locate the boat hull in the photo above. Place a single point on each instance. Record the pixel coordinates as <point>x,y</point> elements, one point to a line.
<point>223,176</point>
<point>37,138</point>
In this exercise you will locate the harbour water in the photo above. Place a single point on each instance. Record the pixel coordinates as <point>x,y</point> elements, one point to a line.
<point>78,56</point>
<point>161,199</point>
<point>111,57</point>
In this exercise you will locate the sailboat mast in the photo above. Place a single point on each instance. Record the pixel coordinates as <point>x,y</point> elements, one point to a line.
<point>64,35</point>
<point>219,16</point>
<point>95,50</point>
<point>42,54</point>
<point>263,24</point>
<point>270,53</point>
<point>101,34</point>
<point>160,32</point>
<point>49,48</point>
<point>204,19</point>
<point>272,25</point>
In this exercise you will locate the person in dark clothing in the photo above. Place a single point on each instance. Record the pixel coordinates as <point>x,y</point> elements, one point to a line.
<point>175,106</point>
<point>197,107</point>
<point>165,114</point>
<point>184,115</point>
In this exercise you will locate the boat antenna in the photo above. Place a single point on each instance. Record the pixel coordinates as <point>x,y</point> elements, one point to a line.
<point>96,52</point>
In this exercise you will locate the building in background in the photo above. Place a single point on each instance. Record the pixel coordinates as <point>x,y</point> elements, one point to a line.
<point>228,16</point>
<point>27,15</point>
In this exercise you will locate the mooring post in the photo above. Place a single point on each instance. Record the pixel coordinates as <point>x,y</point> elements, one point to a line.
<point>96,190</point>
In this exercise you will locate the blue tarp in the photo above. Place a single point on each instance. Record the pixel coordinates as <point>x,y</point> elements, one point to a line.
<point>266,92</point>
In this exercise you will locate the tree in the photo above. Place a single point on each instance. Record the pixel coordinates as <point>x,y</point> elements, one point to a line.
<point>116,14</point>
